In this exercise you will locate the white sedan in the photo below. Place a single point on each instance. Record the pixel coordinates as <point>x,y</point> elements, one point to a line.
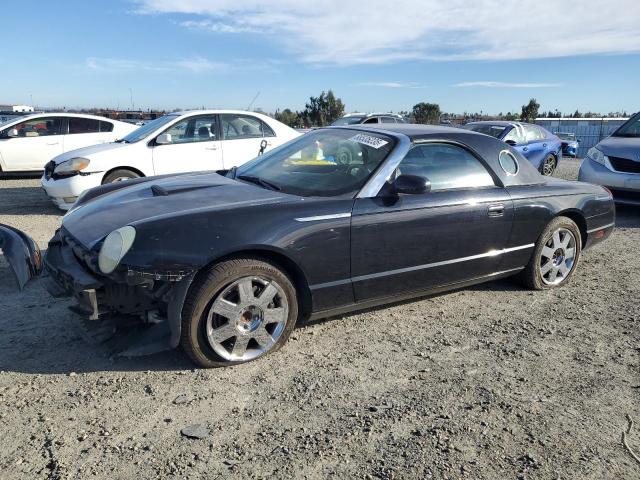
<point>28,142</point>
<point>178,142</point>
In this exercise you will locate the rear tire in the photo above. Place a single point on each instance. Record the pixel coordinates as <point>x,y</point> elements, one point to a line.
<point>548,166</point>
<point>239,310</point>
<point>555,257</point>
<point>119,176</point>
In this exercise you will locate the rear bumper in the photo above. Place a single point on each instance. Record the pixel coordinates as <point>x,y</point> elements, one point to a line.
<point>624,186</point>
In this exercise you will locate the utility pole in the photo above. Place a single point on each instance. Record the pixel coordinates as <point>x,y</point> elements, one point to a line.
<point>131,97</point>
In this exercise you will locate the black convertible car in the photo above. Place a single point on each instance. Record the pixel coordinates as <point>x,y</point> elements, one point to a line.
<point>336,220</point>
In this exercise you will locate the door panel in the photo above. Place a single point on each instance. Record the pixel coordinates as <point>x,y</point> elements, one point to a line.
<point>38,141</point>
<point>419,242</point>
<point>195,147</point>
<point>242,136</point>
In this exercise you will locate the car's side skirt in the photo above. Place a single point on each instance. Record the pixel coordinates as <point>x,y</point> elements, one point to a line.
<point>413,294</point>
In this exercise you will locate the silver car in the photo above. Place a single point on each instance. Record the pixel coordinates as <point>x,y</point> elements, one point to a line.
<point>615,163</point>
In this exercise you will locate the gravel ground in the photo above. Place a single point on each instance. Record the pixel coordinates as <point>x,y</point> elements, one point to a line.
<point>492,382</point>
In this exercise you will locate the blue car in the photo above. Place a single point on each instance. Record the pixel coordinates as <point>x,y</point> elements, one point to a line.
<point>569,144</point>
<point>541,147</point>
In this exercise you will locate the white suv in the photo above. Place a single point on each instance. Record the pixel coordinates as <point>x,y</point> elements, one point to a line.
<point>28,142</point>
<point>178,142</point>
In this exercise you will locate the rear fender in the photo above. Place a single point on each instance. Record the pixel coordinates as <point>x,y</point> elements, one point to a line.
<point>22,253</point>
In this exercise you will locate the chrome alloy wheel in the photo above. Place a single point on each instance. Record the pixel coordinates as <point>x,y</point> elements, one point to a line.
<point>558,256</point>
<point>247,318</point>
<point>549,166</point>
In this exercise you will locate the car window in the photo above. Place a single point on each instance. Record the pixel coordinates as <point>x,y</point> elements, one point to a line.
<point>541,133</point>
<point>106,126</point>
<point>388,120</point>
<point>40,127</point>
<point>493,130</point>
<point>202,128</point>
<point>371,120</point>
<point>446,166</point>
<point>516,134</point>
<point>83,125</point>
<point>629,129</point>
<point>244,126</point>
<point>531,133</point>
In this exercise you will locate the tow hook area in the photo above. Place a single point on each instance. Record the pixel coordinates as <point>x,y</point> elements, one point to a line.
<point>22,253</point>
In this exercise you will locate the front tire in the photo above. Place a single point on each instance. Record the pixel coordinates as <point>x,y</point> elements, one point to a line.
<point>555,257</point>
<point>239,310</point>
<point>119,176</point>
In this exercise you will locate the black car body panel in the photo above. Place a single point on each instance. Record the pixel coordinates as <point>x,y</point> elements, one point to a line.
<point>343,253</point>
<point>22,253</point>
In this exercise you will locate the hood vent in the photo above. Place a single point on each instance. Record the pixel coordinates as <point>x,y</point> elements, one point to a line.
<point>160,191</point>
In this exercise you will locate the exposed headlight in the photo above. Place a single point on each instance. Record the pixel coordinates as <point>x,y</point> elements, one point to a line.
<point>72,166</point>
<point>597,156</point>
<point>115,246</point>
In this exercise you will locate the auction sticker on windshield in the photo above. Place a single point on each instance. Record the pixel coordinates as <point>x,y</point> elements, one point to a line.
<point>368,140</point>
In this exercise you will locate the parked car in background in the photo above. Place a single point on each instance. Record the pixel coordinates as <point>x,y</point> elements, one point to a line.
<point>368,119</point>
<point>227,263</point>
<point>615,163</point>
<point>179,142</point>
<point>27,143</point>
<point>570,144</point>
<point>542,148</point>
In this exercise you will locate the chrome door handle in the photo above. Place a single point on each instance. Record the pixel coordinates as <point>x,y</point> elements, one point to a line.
<point>213,147</point>
<point>496,210</point>
<point>54,143</point>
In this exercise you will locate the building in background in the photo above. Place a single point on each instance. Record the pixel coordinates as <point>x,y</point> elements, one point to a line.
<point>16,108</point>
<point>589,131</point>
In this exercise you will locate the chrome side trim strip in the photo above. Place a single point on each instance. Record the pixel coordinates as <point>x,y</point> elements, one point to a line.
<point>604,227</point>
<point>492,253</point>
<point>324,217</point>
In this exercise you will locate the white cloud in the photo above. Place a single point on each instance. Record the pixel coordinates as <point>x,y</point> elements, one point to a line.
<point>508,85</point>
<point>390,84</point>
<point>351,32</point>
<point>191,65</point>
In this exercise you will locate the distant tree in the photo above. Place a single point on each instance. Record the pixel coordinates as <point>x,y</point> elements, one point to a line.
<point>530,111</point>
<point>427,113</point>
<point>288,117</point>
<point>322,110</point>
<point>576,114</point>
<point>592,115</point>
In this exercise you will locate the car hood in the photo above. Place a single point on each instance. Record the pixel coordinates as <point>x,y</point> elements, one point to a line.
<point>622,147</point>
<point>88,152</point>
<point>158,198</point>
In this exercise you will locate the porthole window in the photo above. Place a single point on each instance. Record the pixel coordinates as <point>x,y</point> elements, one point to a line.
<point>508,163</point>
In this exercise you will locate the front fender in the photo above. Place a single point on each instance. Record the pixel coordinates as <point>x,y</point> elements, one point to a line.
<point>22,253</point>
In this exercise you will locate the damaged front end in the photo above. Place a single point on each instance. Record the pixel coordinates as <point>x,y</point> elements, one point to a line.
<point>126,296</point>
<point>22,253</point>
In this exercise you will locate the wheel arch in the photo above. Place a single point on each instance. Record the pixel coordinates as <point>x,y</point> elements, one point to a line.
<point>578,218</point>
<point>279,259</point>
<point>131,169</point>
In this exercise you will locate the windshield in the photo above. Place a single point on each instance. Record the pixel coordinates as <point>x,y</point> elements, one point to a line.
<point>351,120</point>
<point>4,121</point>
<point>322,163</point>
<point>148,128</point>
<point>493,130</point>
<point>629,129</point>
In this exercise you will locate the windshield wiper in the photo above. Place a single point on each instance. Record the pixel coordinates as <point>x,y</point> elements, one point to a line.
<point>260,181</point>
<point>121,140</point>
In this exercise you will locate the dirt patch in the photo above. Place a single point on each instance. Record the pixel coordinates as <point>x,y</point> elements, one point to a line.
<point>490,382</point>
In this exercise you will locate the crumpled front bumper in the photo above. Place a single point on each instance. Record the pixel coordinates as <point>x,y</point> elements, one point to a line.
<point>68,277</point>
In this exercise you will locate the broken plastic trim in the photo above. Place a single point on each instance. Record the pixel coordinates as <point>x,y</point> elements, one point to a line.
<point>22,253</point>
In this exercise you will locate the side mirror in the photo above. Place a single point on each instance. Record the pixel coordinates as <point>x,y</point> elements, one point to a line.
<point>12,133</point>
<point>411,185</point>
<point>163,139</point>
<point>513,143</point>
